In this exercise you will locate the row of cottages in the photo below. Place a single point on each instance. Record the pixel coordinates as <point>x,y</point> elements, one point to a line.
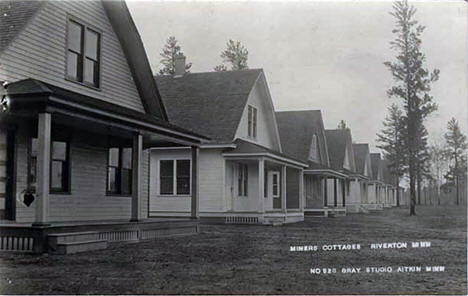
<point>80,111</point>
<point>90,140</point>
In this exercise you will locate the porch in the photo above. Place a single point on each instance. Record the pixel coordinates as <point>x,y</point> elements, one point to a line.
<point>326,192</point>
<point>263,188</point>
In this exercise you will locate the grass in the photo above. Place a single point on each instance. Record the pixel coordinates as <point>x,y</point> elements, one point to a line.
<point>237,259</point>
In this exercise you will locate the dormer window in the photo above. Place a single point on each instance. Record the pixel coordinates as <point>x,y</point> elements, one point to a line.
<point>314,151</point>
<point>252,125</point>
<point>83,54</point>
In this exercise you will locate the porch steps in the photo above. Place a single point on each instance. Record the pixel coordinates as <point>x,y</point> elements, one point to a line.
<point>75,242</point>
<point>78,247</point>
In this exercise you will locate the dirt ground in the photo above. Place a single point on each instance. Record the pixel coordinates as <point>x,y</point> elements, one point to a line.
<point>228,259</point>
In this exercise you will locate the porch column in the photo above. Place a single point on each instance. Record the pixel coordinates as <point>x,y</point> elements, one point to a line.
<point>301,190</point>
<point>137,153</point>
<point>283,189</point>
<point>261,185</point>
<point>44,127</point>
<point>195,206</point>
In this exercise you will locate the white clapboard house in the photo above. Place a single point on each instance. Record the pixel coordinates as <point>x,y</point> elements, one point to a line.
<point>244,174</point>
<point>360,183</point>
<point>80,110</point>
<point>375,196</point>
<point>303,136</point>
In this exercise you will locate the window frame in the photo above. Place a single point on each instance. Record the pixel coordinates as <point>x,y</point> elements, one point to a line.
<point>174,178</point>
<point>119,170</point>
<point>242,180</point>
<point>252,122</point>
<point>85,26</point>
<point>66,180</point>
<point>278,188</point>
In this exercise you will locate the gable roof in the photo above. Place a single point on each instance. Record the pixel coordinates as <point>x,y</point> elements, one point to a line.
<point>296,129</point>
<point>376,165</point>
<point>209,103</point>
<point>361,151</point>
<point>14,15</point>
<point>337,140</point>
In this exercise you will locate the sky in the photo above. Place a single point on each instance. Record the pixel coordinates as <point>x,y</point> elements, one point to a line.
<point>325,55</point>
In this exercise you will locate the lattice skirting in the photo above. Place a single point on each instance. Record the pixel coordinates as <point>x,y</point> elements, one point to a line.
<point>241,220</point>
<point>18,244</point>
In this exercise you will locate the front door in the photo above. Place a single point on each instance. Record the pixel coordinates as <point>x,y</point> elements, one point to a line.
<point>6,175</point>
<point>274,190</point>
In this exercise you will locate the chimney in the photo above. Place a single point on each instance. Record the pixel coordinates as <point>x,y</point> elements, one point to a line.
<point>179,65</point>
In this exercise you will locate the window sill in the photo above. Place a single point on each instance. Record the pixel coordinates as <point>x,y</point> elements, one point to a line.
<point>174,196</point>
<point>83,84</point>
<point>118,195</point>
<point>59,192</point>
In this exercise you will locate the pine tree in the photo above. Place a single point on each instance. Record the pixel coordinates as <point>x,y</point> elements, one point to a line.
<point>342,124</point>
<point>412,84</point>
<point>437,164</point>
<point>236,55</point>
<point>422,159</point>
<point>391,142</point>
<point>169,53</point>
<point>456,153</point>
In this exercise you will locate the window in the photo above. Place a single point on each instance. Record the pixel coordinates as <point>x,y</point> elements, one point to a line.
<point>314,155</point>
<point>59,166</point>
<point>243,175</point>
<point>83,54</point>
<point>119,171</point>
<point>252,122</point>
<point>174,177</point>
<point>275,184</point>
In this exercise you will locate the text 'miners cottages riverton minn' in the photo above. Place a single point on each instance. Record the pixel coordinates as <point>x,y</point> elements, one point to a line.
<point>94,149</point>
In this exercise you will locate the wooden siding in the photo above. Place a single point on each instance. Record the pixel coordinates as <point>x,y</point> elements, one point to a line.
<point>88,200</point>
<point>211,178</point>
<point>266,133</point>
<point>39,52</point>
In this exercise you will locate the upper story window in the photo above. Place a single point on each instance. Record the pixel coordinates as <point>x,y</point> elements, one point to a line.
<point>314,151</point>
<point>83,54</point>
<point>252,125</point>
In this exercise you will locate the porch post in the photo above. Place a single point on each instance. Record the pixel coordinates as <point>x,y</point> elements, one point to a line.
<point>301,190</point>
<point>43,169</point>
<point>137,151</point>
<point>283,189</point>
<point>261,185</point>
<point>195,211</point>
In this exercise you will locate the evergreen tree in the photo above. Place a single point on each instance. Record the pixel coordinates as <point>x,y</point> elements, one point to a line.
<point>169,53</point>
<point>456,153</point>
<point>391,142</point>
<point>437,164</point>
<point>235,54</point>
<point>412,84</point>
<point>342,124</point>
<point>422,160</point>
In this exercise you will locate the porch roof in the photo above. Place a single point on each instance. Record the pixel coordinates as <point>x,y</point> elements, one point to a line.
<point>320,169</point>
<point>38,96</point>
<point>245,148</point>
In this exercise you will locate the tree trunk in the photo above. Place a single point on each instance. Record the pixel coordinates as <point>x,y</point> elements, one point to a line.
<point>458,190</point>
<point>418,181</point>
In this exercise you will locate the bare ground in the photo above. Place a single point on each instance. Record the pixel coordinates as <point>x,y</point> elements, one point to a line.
<point>228,259</point>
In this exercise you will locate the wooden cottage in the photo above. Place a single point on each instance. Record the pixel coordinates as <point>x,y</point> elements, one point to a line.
<point>303,137</point>
<point>375,196</point>
<point>359,184</point>
<point>80,110</point>
<point>389,185</point>
<point>245,177</point>
<point>340,151</point>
